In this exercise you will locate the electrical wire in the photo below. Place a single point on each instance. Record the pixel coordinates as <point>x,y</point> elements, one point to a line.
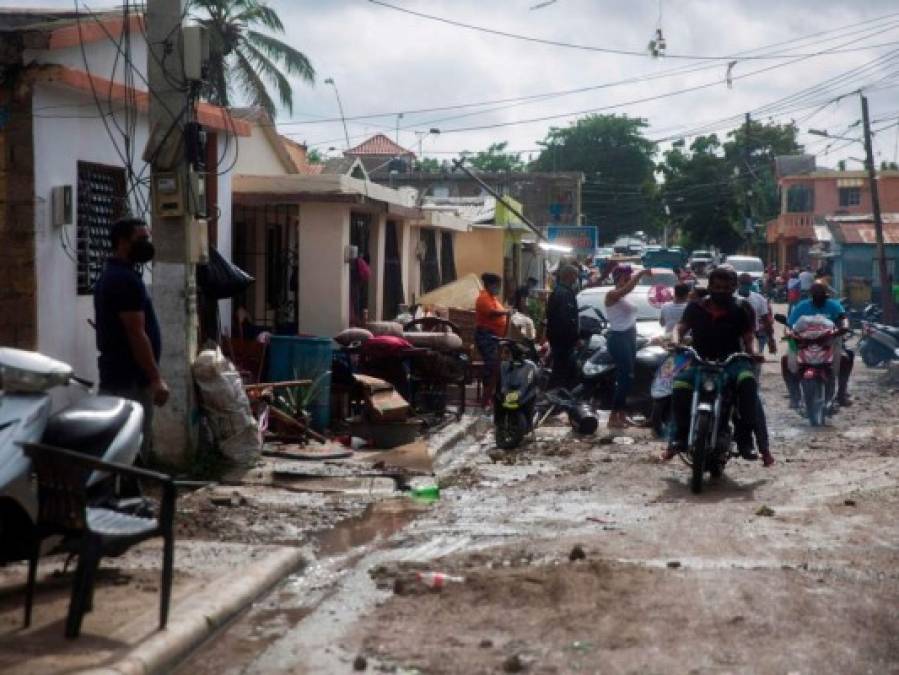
<point>570,45</point>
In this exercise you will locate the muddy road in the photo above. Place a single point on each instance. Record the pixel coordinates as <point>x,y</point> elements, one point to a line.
<point>587,555</point>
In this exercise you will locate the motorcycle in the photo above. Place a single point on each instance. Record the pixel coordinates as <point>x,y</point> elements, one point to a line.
<point>709,443</point>
<point>814,337</point>
<point>106,427</point>
<point>879,344</point>
<point>515,399</point>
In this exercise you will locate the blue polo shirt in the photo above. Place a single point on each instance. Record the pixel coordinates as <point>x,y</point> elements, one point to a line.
<point>121,289</point>
<point>832,309</point>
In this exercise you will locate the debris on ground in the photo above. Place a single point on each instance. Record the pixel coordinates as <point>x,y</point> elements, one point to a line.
<point>577,553</point>
<point>360,663</point>
<point>764,511</point>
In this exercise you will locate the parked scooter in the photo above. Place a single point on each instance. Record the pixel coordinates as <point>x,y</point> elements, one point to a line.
<point>106,427</point>
<point>814,336</point>
<point>879,344</point>
<point>516,394</point>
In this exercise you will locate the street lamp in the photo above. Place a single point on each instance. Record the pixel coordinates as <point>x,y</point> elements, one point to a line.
<point>826,134</point>
<point>423,135</point>
<point>346,133</point>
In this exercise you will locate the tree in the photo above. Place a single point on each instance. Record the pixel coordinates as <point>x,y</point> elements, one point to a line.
<point>314,156</point>
<point>618,161</point>
<point>244,59</point>
<point>494,159</point>
<point>429,165</point>
<point>700,196</point>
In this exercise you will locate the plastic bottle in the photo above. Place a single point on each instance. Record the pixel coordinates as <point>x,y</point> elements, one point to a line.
<point>437,580</point>
<point>426,493</point>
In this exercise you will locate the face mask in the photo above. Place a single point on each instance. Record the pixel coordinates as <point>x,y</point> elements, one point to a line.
<point>745,290</point>
<point>819,301</point>
<point>142,251</point>
<point>721,299</point>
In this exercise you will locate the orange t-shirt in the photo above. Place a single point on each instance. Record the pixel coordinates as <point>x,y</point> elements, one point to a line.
<point>483,307</point>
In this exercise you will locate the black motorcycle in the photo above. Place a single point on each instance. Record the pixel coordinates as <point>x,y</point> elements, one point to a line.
<point>710,440</point>
<point>514,403</point>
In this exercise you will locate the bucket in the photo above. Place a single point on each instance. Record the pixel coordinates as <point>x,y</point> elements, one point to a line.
<point>304,358</point>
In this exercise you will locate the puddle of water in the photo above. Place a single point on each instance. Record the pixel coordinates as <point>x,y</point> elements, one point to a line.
<point>380,519</point>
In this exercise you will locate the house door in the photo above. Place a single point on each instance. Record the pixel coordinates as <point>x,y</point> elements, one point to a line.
<point>360,234</point>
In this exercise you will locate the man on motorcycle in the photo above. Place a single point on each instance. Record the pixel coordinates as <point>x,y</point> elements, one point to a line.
<point>720,327</point>
<point>820,304</point>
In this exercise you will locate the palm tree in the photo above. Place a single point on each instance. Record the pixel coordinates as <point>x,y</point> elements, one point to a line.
<point>244,59</point>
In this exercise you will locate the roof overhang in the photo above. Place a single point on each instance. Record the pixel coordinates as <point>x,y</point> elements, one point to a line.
<point>252,190</point>
<point>442,219</point>
<point>208,115</point>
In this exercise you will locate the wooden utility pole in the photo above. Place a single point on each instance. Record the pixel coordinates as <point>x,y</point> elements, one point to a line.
<point>886,285</point>
<point>174,285</point>
<point>748,229</point>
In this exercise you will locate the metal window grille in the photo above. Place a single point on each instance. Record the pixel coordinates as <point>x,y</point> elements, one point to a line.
<point>101,201</point>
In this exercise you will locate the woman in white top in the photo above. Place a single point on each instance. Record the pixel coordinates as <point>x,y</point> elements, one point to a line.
<point>621,338</point>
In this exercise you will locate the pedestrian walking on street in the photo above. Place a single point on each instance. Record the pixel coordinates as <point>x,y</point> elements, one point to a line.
<point>622,337</point>
<point>562,326</point>
<point>491,323</point>
<point>128,335</point>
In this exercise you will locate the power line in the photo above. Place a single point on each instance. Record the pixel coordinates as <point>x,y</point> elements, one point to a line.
<point>570,45</point>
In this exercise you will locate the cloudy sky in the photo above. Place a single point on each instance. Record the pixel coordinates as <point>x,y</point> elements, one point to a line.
<point>386,61</point>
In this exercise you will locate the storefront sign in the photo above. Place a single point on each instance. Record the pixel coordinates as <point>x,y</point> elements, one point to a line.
<point>583,239</point>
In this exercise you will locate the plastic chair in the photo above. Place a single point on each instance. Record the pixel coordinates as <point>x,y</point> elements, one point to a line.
<point>96,532</point>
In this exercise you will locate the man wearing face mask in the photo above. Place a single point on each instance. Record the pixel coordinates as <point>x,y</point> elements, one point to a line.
<point>720,326</point>
<point>128,336</point>
<point>820,304</point>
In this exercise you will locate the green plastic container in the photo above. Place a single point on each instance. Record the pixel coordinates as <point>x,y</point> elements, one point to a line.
<point>426,493</point>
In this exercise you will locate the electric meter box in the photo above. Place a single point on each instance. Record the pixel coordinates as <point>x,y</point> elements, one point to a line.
<point>195,41</point>
<point>61,205</point>
<point>168,195</point>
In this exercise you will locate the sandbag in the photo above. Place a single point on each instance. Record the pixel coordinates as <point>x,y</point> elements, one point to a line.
<point>351,336</point>
<point>225,404</point>
<point>385,328</point>
<point>441,342</point>
<point>220,279</point>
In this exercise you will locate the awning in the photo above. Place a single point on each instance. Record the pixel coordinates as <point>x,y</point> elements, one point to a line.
<point>442,219</point>
<point>250,190</point>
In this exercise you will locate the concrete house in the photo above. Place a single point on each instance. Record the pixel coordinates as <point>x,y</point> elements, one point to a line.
<point>66,172</point>
<point>301,235</point>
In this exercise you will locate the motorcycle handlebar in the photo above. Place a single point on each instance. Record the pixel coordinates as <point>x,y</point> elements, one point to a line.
<point>82,381</point>
<point>715,364</point>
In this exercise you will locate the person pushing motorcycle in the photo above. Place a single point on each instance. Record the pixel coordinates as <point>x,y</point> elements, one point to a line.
<point>720,327</point>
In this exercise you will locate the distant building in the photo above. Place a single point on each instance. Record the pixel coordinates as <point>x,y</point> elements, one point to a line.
<point>810,195</point>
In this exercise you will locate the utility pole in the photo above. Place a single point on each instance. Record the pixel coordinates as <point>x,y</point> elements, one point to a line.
<point>747,154</point>
<point>886,289</point>
<point>174,286</point>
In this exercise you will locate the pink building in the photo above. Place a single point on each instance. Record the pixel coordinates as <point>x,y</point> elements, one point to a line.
<point>807,198</point>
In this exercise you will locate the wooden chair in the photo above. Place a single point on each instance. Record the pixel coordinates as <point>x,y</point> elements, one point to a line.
<point>63,509</point>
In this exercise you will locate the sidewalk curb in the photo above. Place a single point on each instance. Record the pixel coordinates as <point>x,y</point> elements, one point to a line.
<point>196,619</point>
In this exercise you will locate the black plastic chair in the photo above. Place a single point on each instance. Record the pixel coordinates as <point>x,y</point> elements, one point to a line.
<point>96,532</point>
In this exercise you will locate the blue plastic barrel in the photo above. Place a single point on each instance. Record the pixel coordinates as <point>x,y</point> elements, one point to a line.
<point>304,358</point>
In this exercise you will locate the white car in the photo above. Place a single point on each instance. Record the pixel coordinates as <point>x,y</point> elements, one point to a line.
<point>751,265</point>
<point>646,297</point>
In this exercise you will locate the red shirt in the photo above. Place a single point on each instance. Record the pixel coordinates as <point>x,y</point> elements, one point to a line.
<point>484,318</point>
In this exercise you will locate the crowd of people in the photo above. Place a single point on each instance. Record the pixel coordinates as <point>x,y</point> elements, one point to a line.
<point>731,314</point>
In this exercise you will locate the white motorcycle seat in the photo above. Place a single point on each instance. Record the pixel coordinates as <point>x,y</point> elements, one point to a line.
<point>90,425</point>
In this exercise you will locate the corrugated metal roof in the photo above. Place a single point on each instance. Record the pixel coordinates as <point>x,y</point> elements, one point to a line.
<point>863,233</point>
<point>379,144</point>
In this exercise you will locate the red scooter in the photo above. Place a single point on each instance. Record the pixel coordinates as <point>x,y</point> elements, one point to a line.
<point>814,337</point>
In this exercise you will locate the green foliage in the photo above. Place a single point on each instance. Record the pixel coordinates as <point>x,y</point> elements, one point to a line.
<point>245,59</point>
<point>429,165</point>
<point>314,157</point>
<point>712,186</point>
<point>618,161</point>
<point>495,159</point>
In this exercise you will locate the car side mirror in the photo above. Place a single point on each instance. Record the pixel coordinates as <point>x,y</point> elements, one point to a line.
<point>781,318</point>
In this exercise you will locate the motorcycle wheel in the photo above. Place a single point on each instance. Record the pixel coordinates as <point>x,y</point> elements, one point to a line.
<point>699,450</point>
<point>813,398</point>
<point>510,428</point>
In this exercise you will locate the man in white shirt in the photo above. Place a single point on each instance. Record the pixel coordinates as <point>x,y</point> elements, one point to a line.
<point>673,311</point>
<point>764,320</point>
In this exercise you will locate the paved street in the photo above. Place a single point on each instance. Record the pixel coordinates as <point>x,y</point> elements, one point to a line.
<point>792,569</point>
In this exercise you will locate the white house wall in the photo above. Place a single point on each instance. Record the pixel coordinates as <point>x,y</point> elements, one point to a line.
<point>324,277</point>
<point>101,58</point>
<point>59,143</point>
<point>257,157</point>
